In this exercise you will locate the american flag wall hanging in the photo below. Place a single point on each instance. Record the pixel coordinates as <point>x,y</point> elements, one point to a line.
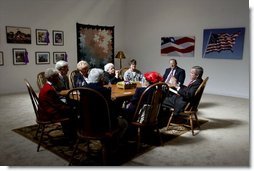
<point>223,43</point>
<point>178,46</point>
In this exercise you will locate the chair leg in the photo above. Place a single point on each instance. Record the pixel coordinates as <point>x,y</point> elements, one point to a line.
<point>169,120</point>
<point>104,154</point>
<point>37,131</point>
<point>191,124</point>
<point>42,132</point>
<point>159,136</point>
<point>73,153</point>
<point>138,139</point>
<point>196,118</point>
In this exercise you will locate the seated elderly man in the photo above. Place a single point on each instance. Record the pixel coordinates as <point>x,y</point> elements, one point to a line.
<point>110,74</point>
<point>82,77</point>
<point>52,108</point>
<point>95,81</point>
<point>62,68</point>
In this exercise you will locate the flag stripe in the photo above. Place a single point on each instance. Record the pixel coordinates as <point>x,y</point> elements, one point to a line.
<point>220,42</point>
<point>177,45</point>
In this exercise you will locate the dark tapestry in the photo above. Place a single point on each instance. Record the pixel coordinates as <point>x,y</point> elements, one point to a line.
<point>95,44</point>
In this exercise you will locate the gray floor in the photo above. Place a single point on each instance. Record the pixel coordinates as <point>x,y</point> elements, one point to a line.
<point>223,141</point>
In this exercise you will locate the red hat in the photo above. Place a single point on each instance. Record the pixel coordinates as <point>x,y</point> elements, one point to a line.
<point>153,77</point>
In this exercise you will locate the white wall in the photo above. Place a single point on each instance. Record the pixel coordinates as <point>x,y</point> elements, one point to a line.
<point>146,21</point>
<point>52,15</point>
<point>139,25</point>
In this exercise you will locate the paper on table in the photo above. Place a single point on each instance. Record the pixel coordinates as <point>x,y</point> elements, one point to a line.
<point>173,90</point>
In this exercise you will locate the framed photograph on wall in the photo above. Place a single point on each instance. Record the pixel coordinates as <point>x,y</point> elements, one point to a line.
<point>57,56</point>
<point>223,43</point>
<point>58,38</point>
<point>1,58</point>
<point>19,56</point>
<point>20,35</point>
<point>42,36</point>
<point>42,57</point>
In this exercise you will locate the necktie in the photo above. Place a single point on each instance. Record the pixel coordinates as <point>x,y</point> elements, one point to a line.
<point>192,81</point>
<point>169,76</point>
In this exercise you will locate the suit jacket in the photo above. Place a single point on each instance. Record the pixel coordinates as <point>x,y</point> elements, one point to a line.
<point>79,80</point>
<point>179,74</point>
<point>63,83</point>
<point>110,78</point>
<point>50,105</point>
<point>186,94</point>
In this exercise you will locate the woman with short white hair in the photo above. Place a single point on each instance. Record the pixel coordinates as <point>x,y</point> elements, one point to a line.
<point>52,108</point>
<point>111,75</point>
<point>95,79</point>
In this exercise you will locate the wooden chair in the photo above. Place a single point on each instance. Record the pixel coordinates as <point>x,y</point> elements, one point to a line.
<point>72,77</point>
<point>41,80</point>
<point>147,110</point>
<point>191,109</point>
<point>41,124</point>
<point>122,71</point>
<point>94,119</point>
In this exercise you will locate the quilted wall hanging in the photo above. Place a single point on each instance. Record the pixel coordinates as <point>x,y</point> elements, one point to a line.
<point>95,44</point>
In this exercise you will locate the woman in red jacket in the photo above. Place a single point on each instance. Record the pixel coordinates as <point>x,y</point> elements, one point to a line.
<point>51,107</point>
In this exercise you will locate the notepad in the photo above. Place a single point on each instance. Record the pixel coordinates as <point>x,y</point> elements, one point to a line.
<point>173,90</point>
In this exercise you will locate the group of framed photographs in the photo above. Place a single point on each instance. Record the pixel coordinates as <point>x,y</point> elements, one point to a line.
<point>22,35</point>
<point>20,57</point>
<point>44,57</point>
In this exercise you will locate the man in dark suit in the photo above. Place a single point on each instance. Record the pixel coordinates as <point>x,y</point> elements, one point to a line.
<point>174,71</point>
<point>184,94</point>
<point>63,68</point>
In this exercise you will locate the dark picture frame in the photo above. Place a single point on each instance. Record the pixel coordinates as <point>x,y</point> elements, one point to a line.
<point>95,44</point>
<point>1,58</point>
<point>223,43</point>
<point>57,56</point>
<point>58,38</point>
<point>19,35</point>
<point>42,36</point>
<point>19,56</point>
<point>42,58</point>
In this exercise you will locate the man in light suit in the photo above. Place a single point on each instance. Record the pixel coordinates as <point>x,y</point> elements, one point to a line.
<point>184,94</point>
<point>174,71</point>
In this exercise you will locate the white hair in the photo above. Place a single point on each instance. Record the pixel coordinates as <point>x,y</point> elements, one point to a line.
<point>50,72</point>
<point>95,75</point>
<point>82,64</point>
<point>61,64</point>
<point>107,66</point>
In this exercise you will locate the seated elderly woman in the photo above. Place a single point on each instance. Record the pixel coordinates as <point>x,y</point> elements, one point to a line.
<point>51,107</point>
<point>132,74</point>
<point>110,74</point>
<point>62,68</point>
<point>150,78</point>
<point>80,80</point>
<point>95,81</point>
